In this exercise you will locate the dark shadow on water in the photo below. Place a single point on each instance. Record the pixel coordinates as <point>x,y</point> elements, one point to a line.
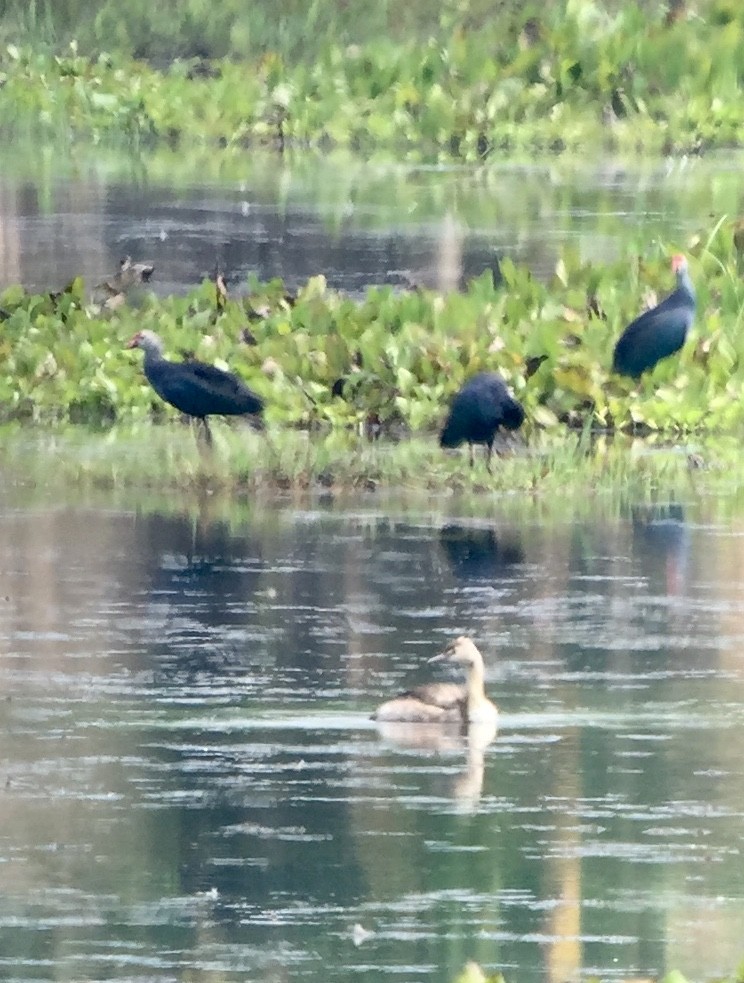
<point>662,535</point>
<point>200,577</point>
<point>474,553</point>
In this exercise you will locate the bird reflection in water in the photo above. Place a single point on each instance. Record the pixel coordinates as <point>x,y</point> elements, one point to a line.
<point>476,553</point>
<point>199,574</point>
<point>466,786</point>
<point>662,533</point>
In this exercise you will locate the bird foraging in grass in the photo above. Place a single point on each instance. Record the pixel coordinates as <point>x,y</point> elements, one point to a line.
<point>194,388</point>
<point>481,407</point>
<point>659,332</point>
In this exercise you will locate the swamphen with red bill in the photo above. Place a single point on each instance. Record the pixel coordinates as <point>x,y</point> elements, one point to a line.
<point>660,332</point>
<point>479,409</point>
<point>194,388</point>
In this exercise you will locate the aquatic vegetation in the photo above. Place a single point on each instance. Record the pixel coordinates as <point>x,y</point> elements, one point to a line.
<point>461,83</point>
<point>392,361</point>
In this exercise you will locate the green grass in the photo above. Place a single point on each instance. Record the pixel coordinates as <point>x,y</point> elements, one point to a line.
<point>572,471</point>
<point>297,29</point>
<point>464,80</point>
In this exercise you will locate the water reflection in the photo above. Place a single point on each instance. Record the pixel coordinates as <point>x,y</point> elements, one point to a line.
<point>357,224</point>
<point>469,742</point>
<point>190,778</point>
<point>477,553</point>
<point>662,533</point>
<point>198,576</point>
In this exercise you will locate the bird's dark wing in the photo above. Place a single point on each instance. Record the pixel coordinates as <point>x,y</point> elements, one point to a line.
<point>679,301</point>
<point>675,312</point>
<point>653,335</point>
<point>446,696</point>
<point>224,388</point>
<point>494,405</point>
<point>201,390</point>
<point>210,375</point>
<point>172,384</point>
<point>479,409</point>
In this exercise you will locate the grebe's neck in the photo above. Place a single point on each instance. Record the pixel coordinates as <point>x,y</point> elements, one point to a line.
<point>474,686</point>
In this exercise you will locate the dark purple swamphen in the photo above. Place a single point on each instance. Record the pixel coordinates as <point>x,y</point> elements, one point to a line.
<point>479,409</point>
<point>194,388</point>
<point>660,332</point>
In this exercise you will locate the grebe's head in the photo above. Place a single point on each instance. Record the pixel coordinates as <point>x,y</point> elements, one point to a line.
<point>463,650</point>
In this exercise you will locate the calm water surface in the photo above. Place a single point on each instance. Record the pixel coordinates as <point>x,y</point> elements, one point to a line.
<point>191,787</point>
<point>358,224</point>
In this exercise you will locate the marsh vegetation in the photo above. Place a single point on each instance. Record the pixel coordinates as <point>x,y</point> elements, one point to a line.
<point>388,363</point>
<point>455,81</point>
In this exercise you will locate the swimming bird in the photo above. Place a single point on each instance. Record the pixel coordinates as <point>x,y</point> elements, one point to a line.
<point>660,332</point>
<point>478,410</point>
<point>194,388</point>
<point>446,702</point>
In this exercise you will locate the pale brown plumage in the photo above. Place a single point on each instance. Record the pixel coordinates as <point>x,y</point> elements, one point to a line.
<point>445,702</point>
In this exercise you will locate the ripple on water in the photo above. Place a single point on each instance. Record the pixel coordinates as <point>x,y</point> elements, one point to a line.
<point>187,742</point>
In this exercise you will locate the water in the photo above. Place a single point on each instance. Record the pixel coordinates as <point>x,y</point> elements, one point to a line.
<point>193,788</point>
<point>357,224</point>
<point>190,784</point>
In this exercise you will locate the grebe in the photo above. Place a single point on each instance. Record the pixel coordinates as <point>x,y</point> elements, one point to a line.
<point>445,702</point>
